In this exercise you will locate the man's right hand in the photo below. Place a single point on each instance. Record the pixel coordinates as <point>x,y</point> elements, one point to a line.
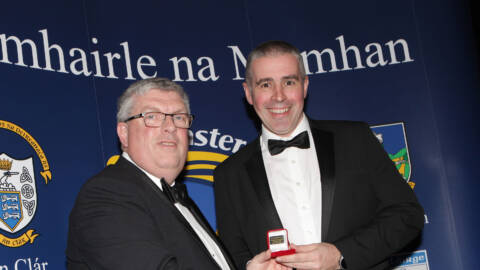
<point>318,256</point>
<point>263,261</point>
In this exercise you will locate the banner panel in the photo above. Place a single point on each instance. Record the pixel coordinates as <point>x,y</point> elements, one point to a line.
<point>406,68</point>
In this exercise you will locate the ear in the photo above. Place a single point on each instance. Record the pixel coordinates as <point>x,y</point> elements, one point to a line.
<point>248,93</point>
<point>122,132</point>
<point>305,87</point>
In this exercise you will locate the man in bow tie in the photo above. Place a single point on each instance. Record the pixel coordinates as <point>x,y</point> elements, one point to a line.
<point>135,214</point>
<point>329,183</point>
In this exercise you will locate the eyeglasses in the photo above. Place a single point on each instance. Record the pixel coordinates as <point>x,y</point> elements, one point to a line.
<point>156,119</point>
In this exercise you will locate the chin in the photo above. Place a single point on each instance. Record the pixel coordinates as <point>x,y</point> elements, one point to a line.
<point>281,131</point>
<point>169,165</point>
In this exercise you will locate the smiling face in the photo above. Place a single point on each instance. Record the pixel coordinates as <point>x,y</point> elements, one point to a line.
<point>161,151</point>
<point>277,92</point>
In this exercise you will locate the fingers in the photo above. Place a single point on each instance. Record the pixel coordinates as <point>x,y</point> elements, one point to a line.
<point>263,261</point>
<point>299,261</point>
<point>304,248</point>
<point>298,257</point>
<point>262,257</point>
<point>268,253</point>
<point>312,256</point>
<point>282,267</point>
<point>276,266</point>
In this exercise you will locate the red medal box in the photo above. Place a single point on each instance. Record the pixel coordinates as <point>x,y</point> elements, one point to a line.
<point>277,241</point>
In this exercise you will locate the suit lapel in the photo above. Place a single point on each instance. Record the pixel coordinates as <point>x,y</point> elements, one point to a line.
<point>258,178</point>
<point>196,214</point>
<point>172,208</point>
<point>205,225</point>
<point>324,145</point>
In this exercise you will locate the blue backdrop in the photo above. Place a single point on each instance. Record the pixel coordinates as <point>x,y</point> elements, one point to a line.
<point>64,63</point>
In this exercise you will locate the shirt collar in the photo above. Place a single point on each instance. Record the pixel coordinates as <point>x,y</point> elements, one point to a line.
<point>152,177</point>
<point>267,134</point>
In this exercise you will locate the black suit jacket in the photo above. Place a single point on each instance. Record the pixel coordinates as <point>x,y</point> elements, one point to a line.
<point>368,210</point>
<point>122,220</point>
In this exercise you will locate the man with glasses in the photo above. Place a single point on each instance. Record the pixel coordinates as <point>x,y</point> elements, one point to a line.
<point>134,214</point>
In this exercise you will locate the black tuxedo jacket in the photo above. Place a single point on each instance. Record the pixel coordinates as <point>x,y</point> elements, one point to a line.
<point>368,210</point>
<point>122,220</point>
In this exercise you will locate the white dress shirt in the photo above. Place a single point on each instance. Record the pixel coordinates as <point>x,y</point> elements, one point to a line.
<point>294,181</point>
<point>211,246</point>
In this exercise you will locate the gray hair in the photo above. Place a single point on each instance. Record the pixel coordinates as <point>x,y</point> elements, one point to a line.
<point>272,48</point>
<point>125,101</point>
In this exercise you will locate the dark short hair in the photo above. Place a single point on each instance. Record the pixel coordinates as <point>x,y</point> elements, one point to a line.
<point>274,47</point>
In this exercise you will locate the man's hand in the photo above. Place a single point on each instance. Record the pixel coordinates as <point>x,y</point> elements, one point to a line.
<point>321,256</point>
<point>263,262</point>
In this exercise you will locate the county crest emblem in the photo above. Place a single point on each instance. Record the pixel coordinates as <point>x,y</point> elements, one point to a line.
<point>18,195</point>
<point>18,189</point>
<point>394,141</point>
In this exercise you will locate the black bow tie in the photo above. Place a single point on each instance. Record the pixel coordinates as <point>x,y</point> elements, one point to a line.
<point>177,193</point>
<point>275,147</point>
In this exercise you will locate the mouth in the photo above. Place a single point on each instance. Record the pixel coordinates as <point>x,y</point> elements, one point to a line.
<point>168,143</point>
<point>279,110</point>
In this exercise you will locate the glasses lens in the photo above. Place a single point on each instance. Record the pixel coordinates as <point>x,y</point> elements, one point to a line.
<point>156,119</point>
<point>181,120</point>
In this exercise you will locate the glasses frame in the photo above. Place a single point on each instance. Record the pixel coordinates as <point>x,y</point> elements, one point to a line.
<point>142,115</point>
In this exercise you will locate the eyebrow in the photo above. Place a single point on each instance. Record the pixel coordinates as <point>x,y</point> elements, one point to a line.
<point>263,80</point>
<point>153,109</point>
<point>292,76</point>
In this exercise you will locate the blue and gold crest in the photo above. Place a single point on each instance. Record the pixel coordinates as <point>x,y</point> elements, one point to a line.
<point>18,193</point>
<point>394,141</point>
<point>18,190</point>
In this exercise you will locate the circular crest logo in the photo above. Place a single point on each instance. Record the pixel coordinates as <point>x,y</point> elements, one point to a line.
<point>18,192</point>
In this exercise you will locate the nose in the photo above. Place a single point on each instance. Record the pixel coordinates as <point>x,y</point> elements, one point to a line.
<point>168,124</point>
<point>278,93</point>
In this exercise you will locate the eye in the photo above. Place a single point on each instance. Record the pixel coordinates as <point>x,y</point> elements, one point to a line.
<point>151,116</point>
<point>179,117</point>
<point>290,82</point>
<point>264,85</point>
